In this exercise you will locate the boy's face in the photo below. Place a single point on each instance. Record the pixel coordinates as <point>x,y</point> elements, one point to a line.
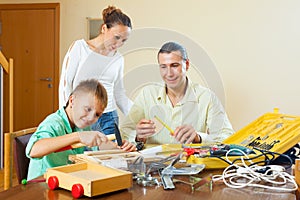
<point>86,109</point>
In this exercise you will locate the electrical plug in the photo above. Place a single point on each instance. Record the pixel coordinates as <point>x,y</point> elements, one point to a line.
<point>242,148</point>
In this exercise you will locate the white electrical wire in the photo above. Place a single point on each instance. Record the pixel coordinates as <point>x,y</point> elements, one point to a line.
<point>241,175</point>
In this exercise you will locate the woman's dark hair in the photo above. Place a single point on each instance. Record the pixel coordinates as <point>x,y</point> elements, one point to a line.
<point>114,16</point>
<point>173,46</point>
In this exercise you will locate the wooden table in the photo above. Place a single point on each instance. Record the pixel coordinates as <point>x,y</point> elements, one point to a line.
<point>36,191</point>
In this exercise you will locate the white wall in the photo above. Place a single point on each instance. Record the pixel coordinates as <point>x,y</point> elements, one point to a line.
<point>248,51</point>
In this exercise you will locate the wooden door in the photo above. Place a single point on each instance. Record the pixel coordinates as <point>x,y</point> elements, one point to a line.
<point>30,36</point>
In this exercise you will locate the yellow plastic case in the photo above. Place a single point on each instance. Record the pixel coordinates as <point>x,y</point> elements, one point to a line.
<point>272,131</point>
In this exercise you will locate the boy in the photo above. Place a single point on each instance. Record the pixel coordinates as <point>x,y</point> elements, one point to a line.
<point>67,126</point>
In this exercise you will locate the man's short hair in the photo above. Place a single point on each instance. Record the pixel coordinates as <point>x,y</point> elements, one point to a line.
<point>173,46</point>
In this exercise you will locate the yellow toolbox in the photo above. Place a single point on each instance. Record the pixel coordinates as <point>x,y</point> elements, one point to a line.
<point>272,132</point>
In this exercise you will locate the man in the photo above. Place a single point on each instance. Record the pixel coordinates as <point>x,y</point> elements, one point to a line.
<point>191,113</point>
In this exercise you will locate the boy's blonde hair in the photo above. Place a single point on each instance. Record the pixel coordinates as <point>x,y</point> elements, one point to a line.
<point>94,87</point>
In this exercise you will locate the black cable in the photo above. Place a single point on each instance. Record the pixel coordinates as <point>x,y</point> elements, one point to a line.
<point>220,157</point>
<point>289,163</point>
<point>269,158</point>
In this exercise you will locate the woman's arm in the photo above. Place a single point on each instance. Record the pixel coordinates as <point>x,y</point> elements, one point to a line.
<point>122,101</point>
<point>69,70</point>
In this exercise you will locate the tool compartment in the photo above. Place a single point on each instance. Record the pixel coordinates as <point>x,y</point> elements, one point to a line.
<point>273,132</point>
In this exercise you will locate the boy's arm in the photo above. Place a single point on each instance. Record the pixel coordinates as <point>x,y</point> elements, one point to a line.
<point>65,142</point>
<point>46,146</point>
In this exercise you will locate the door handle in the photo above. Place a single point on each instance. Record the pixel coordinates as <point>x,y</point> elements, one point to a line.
<point>46,79</point>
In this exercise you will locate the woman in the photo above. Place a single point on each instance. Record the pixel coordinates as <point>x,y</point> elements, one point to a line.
<point>98,58</point>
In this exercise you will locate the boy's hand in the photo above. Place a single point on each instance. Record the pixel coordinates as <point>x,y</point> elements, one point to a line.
<point>127,146</point>
<point>92,138</point>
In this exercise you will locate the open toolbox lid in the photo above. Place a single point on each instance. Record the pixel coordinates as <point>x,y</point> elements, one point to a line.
<point>273,132</point>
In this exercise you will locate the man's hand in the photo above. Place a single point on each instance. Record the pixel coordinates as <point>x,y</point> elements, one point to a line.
<point>186,134</point>
<point>145,128</point>
<point>92,138</point>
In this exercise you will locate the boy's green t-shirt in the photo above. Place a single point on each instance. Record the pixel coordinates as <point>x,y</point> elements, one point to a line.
<point>56,124</point>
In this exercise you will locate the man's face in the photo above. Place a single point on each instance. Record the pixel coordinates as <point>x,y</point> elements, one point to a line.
<point>173,69</point>
<point>86,109</point>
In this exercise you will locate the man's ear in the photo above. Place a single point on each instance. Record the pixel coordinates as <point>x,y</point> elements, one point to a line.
<point>187,64</point>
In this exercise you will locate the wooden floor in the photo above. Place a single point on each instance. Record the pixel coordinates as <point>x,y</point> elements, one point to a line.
<point>14,182</point>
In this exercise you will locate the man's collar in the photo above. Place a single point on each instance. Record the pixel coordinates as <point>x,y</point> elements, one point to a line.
<point>188,97</point>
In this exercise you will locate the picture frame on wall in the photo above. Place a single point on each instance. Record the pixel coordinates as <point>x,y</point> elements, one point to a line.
<point>93,27</point>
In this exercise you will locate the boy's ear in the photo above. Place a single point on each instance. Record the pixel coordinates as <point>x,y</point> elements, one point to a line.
<point>71,99</point>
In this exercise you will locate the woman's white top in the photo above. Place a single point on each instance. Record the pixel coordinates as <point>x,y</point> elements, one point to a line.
<point>81,63</point>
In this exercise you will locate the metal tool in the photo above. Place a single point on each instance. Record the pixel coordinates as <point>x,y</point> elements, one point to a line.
<point>166,176</point>
<point>171,170</point>
<point>184,170</point>
<point>167,182</point>
<point>147,180</point>
<point>277,126</point>
<point>247,140</point>
<point>160,164</point>
<point>194,182</point>
<point>138,167</point>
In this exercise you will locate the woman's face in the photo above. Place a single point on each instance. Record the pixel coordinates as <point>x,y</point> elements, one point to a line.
<point>115,36</point>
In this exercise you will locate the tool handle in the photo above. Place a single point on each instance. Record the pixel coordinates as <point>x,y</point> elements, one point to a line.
<point>118,135</point>
<point>78,145</point>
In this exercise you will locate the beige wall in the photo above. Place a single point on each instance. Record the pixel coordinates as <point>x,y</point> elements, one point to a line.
<point>248,50</point>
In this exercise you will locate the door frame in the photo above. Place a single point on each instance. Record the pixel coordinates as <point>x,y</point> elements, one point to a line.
<point>56,9</point>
